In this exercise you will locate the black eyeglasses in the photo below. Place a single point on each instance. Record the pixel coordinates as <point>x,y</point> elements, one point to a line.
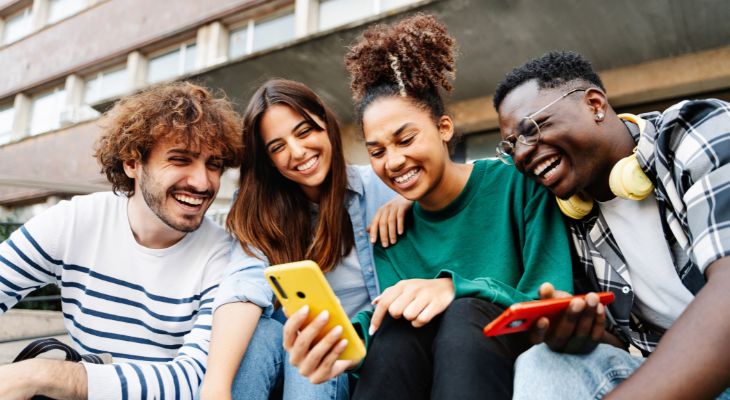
<point>506,148</point>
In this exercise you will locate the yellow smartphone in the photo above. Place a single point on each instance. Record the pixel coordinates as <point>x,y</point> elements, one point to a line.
<point>303,283</point>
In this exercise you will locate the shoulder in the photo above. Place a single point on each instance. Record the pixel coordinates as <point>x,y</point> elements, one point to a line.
<point>706,118</point>
<point>363,180</point>
<point>495,173</point>
<point>693,134</point>
<point>81,210</point>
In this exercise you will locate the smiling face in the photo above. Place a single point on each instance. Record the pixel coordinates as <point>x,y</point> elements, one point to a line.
<point>178,184</point>
<point>573,152</point>
<point>407,149</point>
<point>299,149</point>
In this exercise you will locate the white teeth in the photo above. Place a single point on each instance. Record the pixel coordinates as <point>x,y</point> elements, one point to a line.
<point>309,164</point>
<point>541,168</point>
<point>407,176</point>
<point>189,200</point>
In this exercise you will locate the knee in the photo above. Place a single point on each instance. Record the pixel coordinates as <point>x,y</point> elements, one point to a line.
<point>464,319</point>
<point>395,337</point>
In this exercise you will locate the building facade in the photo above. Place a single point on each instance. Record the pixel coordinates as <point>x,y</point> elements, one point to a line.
<point>63,62</point>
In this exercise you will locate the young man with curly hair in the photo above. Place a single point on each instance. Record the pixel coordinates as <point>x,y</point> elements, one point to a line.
<point>138,267</point>
<point>648,200</point>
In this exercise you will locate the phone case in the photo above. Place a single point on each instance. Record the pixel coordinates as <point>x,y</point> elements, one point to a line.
<point>520,317</point>
<point>303,283</point>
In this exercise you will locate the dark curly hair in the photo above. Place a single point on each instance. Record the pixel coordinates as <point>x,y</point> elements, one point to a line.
<point>186,112</point>
<point>418,49</point>
<point>550,70</point>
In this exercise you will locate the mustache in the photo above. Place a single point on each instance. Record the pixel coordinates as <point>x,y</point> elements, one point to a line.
<point>192,190</point>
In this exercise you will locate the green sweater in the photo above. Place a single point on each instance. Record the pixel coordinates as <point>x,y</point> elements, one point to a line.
<point>499,240</point>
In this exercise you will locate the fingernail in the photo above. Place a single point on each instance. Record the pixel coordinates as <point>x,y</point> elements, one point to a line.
<point>372,329</point>
<point>323,316</point>
<point>599,310</point>
<point>337,330</point>
<point>342,344</point>
<point>591,301</point>
<point>304,310</point>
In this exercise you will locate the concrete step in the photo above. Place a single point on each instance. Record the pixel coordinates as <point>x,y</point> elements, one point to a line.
<point>18,328</point>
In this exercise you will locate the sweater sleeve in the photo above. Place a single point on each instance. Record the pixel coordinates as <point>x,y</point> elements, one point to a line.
<point>27,261</point>
<point>545,250</point>
<point>245,280</point>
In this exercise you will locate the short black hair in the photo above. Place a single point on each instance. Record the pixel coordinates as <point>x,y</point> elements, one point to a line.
<point>550,70</point>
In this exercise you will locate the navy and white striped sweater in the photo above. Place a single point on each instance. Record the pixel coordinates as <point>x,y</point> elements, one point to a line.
<point>149,308</point>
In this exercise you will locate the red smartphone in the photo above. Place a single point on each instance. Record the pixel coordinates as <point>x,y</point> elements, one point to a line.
<point>520,317</point>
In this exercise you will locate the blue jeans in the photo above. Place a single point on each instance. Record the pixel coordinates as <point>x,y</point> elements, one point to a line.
<point>265,367</point>
<point>543,374</point>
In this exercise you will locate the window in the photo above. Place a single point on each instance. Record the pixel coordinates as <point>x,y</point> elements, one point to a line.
<point>171,64</point>
<point>7,112</point>
<point>339,12</point>
<point>238,42</point>
<point>269,33</point>
<point>106,84</point>
<point>386,5</point>
<point>261,35</point>
<point>334,13</point>
<point>17,26</point>
<point>46,108</point>
<point>60,9</point>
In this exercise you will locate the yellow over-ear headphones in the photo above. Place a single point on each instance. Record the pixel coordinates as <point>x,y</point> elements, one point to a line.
<point>626,180</point>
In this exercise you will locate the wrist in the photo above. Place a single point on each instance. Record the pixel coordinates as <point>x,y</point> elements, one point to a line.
<point>59,379</point>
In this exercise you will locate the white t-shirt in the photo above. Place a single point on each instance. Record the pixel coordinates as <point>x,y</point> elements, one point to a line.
<point>660,296</point>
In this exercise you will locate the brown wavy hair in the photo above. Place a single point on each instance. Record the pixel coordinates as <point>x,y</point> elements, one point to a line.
<point>271,213</point>
<point>184,111</point>
<point>424,54</point>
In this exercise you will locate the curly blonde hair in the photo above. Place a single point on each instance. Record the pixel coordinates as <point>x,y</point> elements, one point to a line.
<point>186,112</point>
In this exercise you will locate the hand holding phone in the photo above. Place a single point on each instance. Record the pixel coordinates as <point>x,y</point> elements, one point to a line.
<point>301,284</point>
<point>521,316</point>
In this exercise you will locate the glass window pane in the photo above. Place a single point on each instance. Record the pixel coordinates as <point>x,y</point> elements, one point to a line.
<point>386,5</point>
<point>237,42</point>
<point>6,123</point>
<point>17,26</point>
<point>190,52</point>
<point>271,32</point>
<point>338,12</point>
<point>59,9</point>
<point>164,67</point>
<point>46,111</point>
<point>114,83</point>
<point>105,84</point>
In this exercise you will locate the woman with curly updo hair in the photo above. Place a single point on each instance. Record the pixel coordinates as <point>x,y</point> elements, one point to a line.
<point>479,237</point>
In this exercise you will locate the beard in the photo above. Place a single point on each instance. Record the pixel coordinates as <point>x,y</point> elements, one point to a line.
<point>155,197</point>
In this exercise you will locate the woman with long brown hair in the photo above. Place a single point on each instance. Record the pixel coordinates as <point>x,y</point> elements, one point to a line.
<point>298,199</point>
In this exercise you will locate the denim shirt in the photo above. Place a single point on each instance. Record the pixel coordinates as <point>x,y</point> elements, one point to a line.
<point>245,279</point>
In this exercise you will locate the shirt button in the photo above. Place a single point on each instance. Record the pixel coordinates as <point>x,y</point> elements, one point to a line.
<point>362,233</point>
<point>625,290</point>
<point>370,269</point>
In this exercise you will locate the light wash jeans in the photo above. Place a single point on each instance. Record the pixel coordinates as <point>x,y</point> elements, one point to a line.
<point>265,366</point>
<point>543,374</point>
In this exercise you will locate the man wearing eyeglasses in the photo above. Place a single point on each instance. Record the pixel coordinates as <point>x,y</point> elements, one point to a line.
<point>648,200</point>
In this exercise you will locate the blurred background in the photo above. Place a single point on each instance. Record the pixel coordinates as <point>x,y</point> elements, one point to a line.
<point>64,62</point>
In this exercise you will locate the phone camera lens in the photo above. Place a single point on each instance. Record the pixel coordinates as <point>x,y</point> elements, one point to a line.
<point>301,295</point>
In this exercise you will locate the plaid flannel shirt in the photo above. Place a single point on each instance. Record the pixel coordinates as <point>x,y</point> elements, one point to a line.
<point>685,151</point>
